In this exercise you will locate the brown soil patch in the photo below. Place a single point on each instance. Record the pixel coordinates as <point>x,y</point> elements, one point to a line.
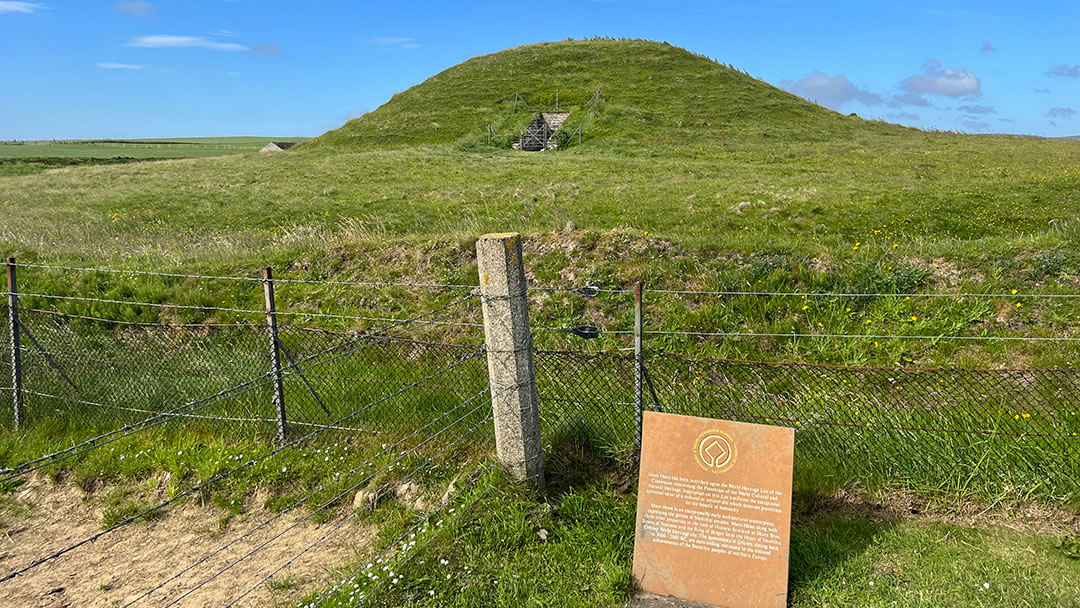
<point>1029,518</point>
<point>123,564</point>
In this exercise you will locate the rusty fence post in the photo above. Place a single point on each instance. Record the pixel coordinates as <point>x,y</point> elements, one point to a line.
<point>275,353</point>
<point>13,335</point>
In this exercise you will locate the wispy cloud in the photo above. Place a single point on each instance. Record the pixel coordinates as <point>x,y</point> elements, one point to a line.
<point>908,116</point>
<point>830,91</point>
<point>108,65</point>
<point>943,81</point>
<point>1060,112</point>
<point>395,41</point>
<point>135,9</point>
<point>1068,71</point>
<point>977,109</point>
<point>164,41</point>
<point>988,48</point>
<point>953,14</point>
<point>10,6</point>
<point>267,49</point>
<point>973,124</point>
<point>908,99</point>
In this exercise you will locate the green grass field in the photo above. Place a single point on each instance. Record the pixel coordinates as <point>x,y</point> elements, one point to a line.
<point>690,175</point>
<point>694,176</point>
<point>166,147</point>
<point>31,157</point>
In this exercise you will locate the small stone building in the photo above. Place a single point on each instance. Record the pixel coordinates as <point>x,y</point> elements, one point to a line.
<point>278,146</point>
<point>540,134</point>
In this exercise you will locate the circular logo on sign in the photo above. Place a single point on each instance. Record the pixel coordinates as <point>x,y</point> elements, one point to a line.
<point>715,451</point>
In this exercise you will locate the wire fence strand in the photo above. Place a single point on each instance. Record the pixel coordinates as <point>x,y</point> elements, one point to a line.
<point>338,478</point>
<point>469,355</point>
<point>101,381</point>
<point>250,279</point>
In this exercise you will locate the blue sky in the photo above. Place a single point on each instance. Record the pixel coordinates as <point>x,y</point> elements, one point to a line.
<point>86,68</point>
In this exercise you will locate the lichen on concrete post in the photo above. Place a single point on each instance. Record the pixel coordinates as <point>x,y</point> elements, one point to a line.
<point>511,372</point>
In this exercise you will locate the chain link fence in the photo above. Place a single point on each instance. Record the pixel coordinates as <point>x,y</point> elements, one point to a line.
<point>1003,429</point>
<point>90,375</point>
<point>345,369</point>
<point>6,388</point>
<point>1013,430</point>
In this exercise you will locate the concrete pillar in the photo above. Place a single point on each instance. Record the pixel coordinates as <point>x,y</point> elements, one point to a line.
<point>509,352</point>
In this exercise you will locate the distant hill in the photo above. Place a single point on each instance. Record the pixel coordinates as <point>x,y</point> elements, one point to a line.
<point>650,93</point>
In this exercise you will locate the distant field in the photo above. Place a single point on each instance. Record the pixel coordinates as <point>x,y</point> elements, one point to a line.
<point>169,147</point>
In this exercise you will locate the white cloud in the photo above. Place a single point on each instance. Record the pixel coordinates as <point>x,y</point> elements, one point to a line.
<point>1068,71</point>
<point>108,65</point>
<point>398,41</point>
<point>135,9</point>
<point>163,41</point>
<point>943,81</point>
<point>830,91</point>
<point>10,6</point>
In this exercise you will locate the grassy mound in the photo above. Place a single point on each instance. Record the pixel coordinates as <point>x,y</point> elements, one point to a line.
<point>650,94</point>
<point>692,175</point>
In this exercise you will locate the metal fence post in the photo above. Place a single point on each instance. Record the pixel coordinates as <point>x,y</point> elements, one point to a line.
<point>511,371</point>
<point>275,354</point>
<point>639,362</point>
<point>13,335</point>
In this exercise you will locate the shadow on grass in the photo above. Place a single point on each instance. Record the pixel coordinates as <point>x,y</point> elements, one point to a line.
<point>575,458</point>
<point>827,532</point>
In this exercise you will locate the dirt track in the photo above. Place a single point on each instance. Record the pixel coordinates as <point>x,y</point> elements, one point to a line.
<point>122,565</point>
